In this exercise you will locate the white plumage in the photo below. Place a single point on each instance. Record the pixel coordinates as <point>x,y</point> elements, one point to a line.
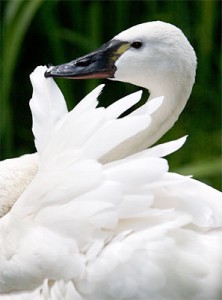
<point>92,225</point>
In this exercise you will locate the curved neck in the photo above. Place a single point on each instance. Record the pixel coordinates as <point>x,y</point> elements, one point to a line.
<point>168,113</point>
<point>175,95</point>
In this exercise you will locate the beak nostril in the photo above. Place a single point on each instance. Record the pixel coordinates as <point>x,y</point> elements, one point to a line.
<point>83,63</point>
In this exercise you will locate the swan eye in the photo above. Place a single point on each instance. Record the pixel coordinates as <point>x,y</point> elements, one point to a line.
<point>136,45</point>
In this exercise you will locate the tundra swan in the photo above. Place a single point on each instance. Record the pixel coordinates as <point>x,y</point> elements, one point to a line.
<point>95,225</point>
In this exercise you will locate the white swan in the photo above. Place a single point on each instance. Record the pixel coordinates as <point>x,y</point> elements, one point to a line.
<point>125,228</point>
<point>156,56</point>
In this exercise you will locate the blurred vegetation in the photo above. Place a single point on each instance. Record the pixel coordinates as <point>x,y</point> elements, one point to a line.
<point>42,32</point>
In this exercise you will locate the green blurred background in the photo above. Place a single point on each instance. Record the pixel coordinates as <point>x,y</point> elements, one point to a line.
<point>42,32</point>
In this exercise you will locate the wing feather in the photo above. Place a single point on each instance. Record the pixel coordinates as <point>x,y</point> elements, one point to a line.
<point>127,229</point>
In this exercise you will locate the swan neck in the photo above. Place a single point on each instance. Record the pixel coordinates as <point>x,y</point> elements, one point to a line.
<point>175,99</point>
<point>168,113</point>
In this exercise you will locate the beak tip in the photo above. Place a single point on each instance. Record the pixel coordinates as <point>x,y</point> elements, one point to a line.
<point>48,72</point>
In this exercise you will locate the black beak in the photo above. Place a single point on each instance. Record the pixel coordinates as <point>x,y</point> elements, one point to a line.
<point>98,64</point>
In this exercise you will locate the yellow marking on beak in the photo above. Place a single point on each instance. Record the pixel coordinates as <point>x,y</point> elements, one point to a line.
<point>122,48</point>
<point>116,54</point>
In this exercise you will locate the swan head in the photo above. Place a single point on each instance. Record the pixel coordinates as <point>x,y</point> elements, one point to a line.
<point>148,55</point>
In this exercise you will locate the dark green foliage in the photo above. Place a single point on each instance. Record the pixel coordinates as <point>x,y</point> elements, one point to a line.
<point>42,32</point>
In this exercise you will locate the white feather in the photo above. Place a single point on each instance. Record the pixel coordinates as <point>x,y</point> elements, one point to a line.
<point>48,106</point>
<point>127,229</point>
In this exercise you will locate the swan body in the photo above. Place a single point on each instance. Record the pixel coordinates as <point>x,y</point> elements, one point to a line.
<point>91,225</point>
<point>15,176</point>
